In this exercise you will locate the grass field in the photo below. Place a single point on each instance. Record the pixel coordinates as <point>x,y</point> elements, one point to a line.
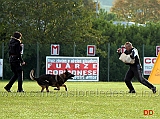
<point>84,100</point>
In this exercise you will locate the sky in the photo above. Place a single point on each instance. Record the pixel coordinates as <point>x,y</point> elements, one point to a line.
<point>106,4</point>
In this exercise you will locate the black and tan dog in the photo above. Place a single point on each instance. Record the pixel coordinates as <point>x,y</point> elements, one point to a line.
<point>47,80</point>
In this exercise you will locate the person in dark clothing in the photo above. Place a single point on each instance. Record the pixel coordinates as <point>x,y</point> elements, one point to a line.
<point>16,61</point>
<point>135,69</point>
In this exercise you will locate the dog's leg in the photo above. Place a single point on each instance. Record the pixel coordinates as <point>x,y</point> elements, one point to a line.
<point>58,88</point>
<point>47,89</point>
<point>65,86</point>
<point>42,88</point>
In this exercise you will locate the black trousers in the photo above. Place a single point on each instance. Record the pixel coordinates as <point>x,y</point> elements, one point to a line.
<point>137,72</point>
<point>17,74</point>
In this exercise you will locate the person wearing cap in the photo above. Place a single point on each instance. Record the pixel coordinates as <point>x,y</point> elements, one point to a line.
<point>135,68</point>
<point>16,62</point>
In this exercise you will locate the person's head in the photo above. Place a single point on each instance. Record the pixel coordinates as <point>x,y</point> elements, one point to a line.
<point>17,35</point>
<point>128,46</point>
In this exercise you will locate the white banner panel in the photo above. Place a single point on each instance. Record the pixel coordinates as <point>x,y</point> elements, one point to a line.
<point>148,63</point>
<point>84,68</point>
<point>1,67</point>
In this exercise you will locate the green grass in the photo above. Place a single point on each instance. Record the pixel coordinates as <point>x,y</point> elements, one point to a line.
<point>84,100</point>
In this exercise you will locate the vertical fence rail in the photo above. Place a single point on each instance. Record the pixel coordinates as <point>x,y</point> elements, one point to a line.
<point>74,49</point>
<point>108,60</point>
<point>37,59</point>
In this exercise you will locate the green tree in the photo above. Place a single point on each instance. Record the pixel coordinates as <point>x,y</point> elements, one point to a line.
<point>48,21</point>
<point>140,11</point>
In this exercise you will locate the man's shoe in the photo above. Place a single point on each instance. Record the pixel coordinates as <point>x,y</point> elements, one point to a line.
<point>132,91</point>
<point>8,90</point>
<point>154,90</point>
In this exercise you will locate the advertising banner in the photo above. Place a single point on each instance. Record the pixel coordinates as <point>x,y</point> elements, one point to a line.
<point>84,68</point>
<point>148,63</point>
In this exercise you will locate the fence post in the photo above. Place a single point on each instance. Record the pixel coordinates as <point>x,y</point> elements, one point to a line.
<point>108,59</point>
<point>142,53</point>
<point>74,49</point>
<point>37,59</point>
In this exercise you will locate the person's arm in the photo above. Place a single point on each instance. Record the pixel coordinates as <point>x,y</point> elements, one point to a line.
<point>119,51</point>
<point>134,53</point>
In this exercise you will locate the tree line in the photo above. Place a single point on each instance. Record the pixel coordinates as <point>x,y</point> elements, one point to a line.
<point>140,11</point>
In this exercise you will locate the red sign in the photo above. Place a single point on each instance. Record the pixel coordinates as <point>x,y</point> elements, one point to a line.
<point>55,49</point>
<point>157,50</point>
<point>91,49</point>
<point>84,68</point>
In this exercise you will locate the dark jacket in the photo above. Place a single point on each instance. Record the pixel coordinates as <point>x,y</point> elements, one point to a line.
<point>15,50</point>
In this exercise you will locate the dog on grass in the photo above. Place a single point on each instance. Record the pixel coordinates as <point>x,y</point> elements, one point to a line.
<point>47,80</point>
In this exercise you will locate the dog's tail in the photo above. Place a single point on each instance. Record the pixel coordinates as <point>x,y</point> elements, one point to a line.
<point>32,75</point>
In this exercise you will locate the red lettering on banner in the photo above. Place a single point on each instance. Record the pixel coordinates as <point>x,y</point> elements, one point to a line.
<point>71,66</point>
<point>147,72</point>
<point>78,69</point>
<point>150,60</point>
